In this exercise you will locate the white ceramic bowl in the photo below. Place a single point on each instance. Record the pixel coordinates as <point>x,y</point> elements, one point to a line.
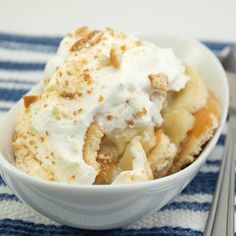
<point>106,207</point>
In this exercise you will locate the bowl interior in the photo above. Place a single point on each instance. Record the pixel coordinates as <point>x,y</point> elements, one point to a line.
<point>190,51</point>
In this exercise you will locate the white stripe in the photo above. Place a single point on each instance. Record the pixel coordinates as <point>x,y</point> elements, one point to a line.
<point>193,198</point>
<point>12,85</point>
<point>224,131</point>
<point>216,153</point>
<point>17,210</point>
<point>5,189</point>
<point>182,218</point>
<point>23,56</point>
<point>209,168</point>
<point>32,76</point>
<point>6,104</point>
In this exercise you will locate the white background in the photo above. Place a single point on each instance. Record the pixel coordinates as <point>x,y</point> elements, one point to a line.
<point>202,19</point>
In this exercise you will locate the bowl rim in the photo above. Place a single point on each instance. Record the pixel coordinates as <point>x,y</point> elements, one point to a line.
<point>170,179</point>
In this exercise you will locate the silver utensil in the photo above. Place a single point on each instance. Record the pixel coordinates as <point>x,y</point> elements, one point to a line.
<point>220,221</point>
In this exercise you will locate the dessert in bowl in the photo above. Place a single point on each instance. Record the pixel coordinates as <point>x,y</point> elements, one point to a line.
<point>114,116</point>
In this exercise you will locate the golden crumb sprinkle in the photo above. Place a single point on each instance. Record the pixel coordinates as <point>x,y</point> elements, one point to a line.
<point>78,45</point>
<point>115,57</point>
<point>66,82</point>
<point>139,114</point>
<point>92,34</point>
<point>28,100</point>
<point>41,139</point>
<point>89,91</point>
<point>96,39</point>
<point>130,122</point>
<point>88,78</point>
<point>46,132</point>
<point>101,98</point>
<point>72,177</point>
<point>69,35</point>
<point>78,111</point>
<point>109,117</point>
<point>82,31</point>
<point>84,61</point>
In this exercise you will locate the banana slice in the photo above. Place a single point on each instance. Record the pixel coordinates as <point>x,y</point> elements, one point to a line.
<point>176,124</point>
<point>148,139</point>
<point>133,164</point>
<point>206,121</point>
<point>192,97</point>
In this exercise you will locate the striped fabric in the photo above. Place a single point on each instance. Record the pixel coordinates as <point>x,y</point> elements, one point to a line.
<point>22,59</point>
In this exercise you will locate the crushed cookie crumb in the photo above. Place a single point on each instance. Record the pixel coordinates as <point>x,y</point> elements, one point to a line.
<point>78,111</point>
<point>82,31</point>
<point>79,94</point>
<point>87,78</point>
<point>69,35</point>
<point>115,57</point>
<point>130,122</point>
<point>66,82</point>
<point>41,139</point>
<point>45,105</point>
<point>28,100</point>
<point>159,82</point>
<point>139,114</point>
<point>96,38</point>
<point>31,142</point>
<point>67,95</point>
<point>84,61</point>
<point>111,31</point>
<point>72,177</point>
<point>109,117</point>
<point>123,48</point>
<point>68,73</point>
<point>78,45</point>
<point>92,34</point>
<point>89,91</point>
<point>46,132</point>
<point>139,43</point>
<point>101,98</point>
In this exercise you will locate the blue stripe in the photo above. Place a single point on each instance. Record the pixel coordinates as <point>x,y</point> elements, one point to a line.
<point>193,206</point>
<point>11,94</point>
<point>8,197</point>
<point>221,140</point>
<point>42,40</point>
<point>216,46</point>
<point>204,183</point>
<point>16,81</point>
<point>215,163</point>
<point>14,227</point>
<point>4,109</point>
<point>20,66</point>
<point>2,181</point>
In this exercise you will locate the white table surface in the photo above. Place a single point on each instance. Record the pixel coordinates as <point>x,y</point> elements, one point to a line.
<point>202,19</point>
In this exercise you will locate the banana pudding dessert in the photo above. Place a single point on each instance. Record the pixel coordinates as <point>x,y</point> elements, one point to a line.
<point>113,109</point>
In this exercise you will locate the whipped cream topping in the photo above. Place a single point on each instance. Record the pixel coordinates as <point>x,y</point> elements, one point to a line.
<point>105,79</point>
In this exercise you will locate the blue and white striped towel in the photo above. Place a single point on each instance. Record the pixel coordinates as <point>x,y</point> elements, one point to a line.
<point>22,59</point>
